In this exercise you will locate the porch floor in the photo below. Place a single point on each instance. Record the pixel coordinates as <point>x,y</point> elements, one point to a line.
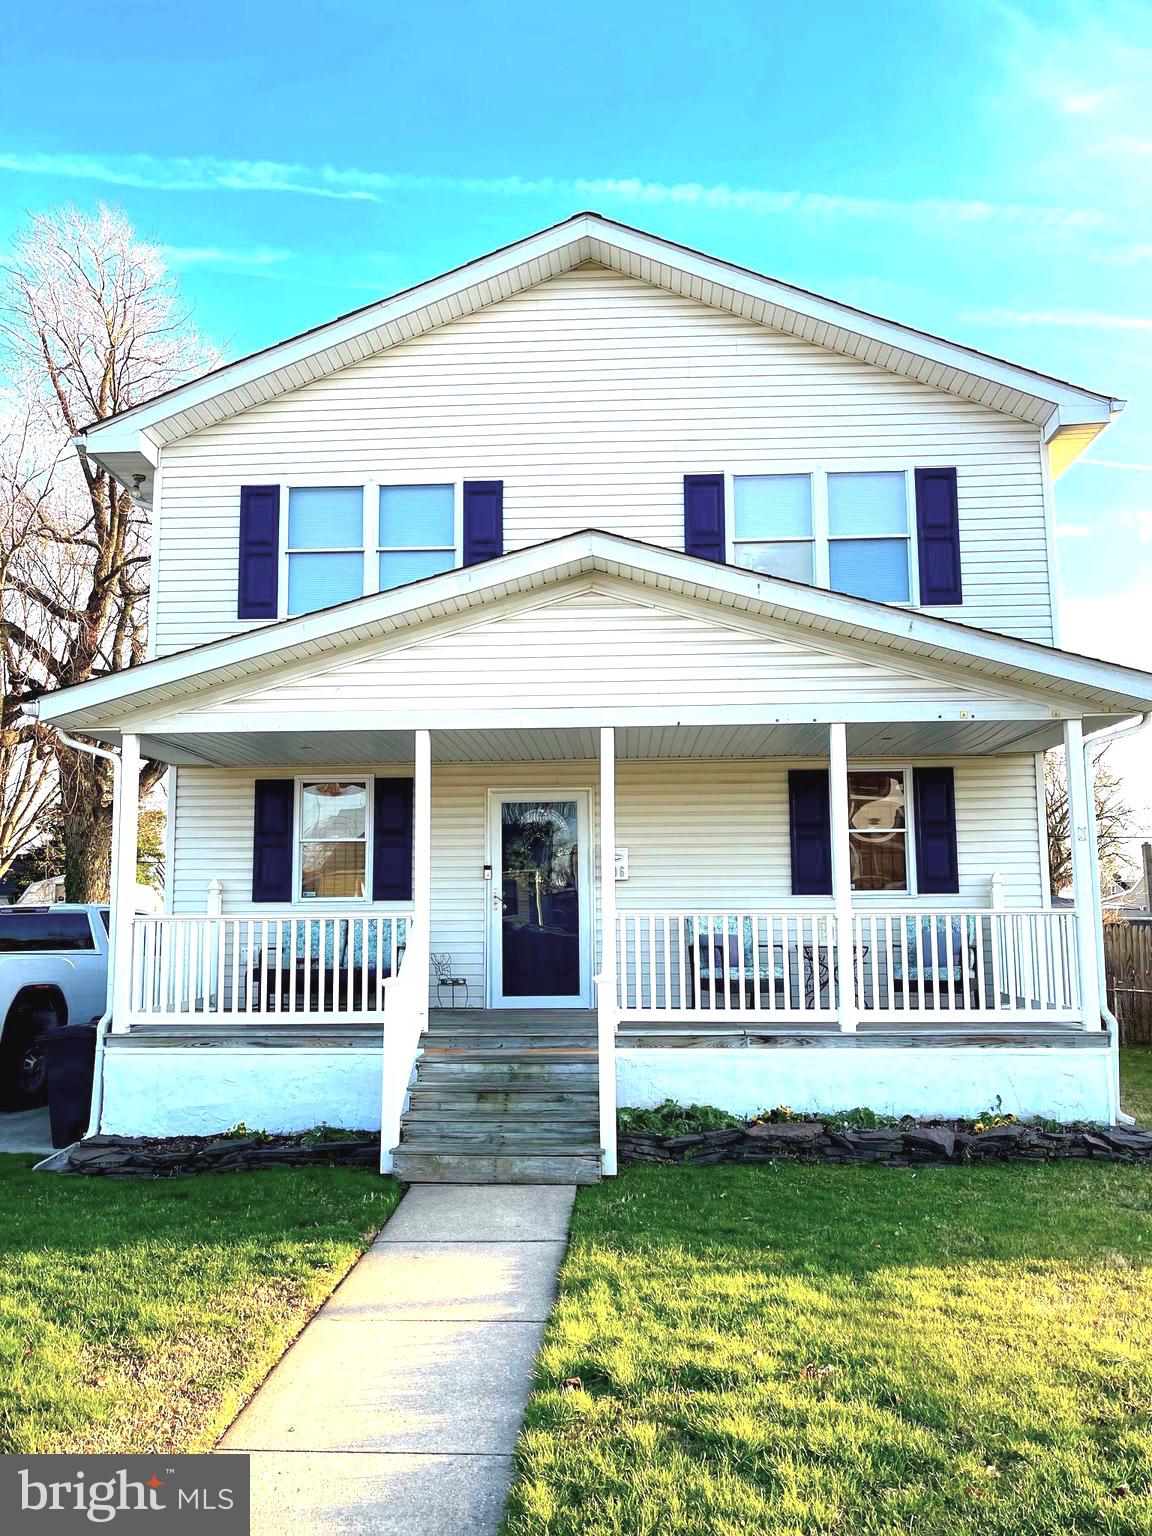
<point>489,1025</point>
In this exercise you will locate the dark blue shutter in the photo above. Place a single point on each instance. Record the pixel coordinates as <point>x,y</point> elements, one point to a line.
<point>483,520</point>
<point>938,537</point>
<point>704,517</point>
<point>272,834</point>
<point>392,840</point>
<point>810,832</point>
<point>256,595</point>
<point>934,799</point>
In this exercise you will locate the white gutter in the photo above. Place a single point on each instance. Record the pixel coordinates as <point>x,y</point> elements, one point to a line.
<point>1103,738</point>
<point>105,1018</point>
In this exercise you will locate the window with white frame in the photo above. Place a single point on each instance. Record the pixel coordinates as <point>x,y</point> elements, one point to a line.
<point>417,532</point>
<point>333,839</point>
<point>878,829</point>
<point>773,527</point>
<point>325,546</point>
<point>868,535</point>
<point>345,541</point>
<point>849,530</point>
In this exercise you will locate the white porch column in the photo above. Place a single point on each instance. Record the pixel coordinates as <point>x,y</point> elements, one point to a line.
<point>125,827</point>
<point>606,986</point>
<point>842,875</point>
<point>1085,888</point>
<point>406,1009</point>
<point>422,868</point>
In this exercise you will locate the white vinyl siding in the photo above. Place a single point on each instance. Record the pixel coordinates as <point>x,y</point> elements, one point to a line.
<point>600,648</point>
<point>697,832</point>
<point>590,397</point>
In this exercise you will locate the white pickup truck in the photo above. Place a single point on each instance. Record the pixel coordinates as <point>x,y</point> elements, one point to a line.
<point>53,971</point>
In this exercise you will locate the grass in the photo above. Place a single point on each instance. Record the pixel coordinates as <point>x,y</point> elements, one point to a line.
<point>1136,1081</point>
<point>140,1316</point>
<point>855,1350</point>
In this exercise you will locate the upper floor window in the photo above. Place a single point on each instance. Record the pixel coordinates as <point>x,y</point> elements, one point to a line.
<point>349,540</point>
<point>847,530</point>
<point>868,535</point>
<point>417,532</point>
<point>325,547</point>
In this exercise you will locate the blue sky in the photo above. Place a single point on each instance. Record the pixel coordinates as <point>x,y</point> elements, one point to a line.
<point>979,169</point>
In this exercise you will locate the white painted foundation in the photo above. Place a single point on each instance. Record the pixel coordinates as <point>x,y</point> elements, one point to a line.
<point>192,1091</point>
<point>1060,1082</point>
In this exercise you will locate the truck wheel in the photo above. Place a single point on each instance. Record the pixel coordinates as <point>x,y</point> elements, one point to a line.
<point>23,1064</point>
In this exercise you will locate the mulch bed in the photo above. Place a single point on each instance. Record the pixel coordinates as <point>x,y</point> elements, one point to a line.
<point>147,1157</point>
<point>911,1143</point>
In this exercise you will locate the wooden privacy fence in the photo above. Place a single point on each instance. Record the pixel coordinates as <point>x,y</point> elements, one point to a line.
<point>1128,958</point>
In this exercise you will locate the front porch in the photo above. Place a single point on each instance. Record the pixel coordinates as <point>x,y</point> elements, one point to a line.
<point>911,1003</point>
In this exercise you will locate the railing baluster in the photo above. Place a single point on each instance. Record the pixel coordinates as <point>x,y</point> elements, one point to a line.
<point>981,964</point>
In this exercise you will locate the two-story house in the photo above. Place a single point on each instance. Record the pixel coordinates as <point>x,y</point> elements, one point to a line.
<point>602,673</point>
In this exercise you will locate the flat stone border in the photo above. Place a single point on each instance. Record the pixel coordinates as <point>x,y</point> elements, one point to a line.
<point>910,1143</point>
<point>147,1157</point>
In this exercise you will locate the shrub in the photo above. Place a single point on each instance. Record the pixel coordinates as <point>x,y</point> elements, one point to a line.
<point>672,1119</point>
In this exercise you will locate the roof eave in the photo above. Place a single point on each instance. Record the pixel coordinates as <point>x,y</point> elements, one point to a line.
<point>577,238</point>
<point>1130,688</point>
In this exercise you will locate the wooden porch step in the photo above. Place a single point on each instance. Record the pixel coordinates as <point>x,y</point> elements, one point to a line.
<point>448,1165</point>
<point>509,1096</point>
<point>460,1040</point>
<point>506,1068</point>
<point>547,1126</point>
<point>503,1098</point>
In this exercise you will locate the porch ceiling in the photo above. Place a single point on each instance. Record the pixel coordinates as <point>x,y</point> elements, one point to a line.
<point>543,745</point>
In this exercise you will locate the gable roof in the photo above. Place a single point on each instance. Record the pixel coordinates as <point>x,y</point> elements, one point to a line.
<point>128,445</point>
<point>1079,685</point>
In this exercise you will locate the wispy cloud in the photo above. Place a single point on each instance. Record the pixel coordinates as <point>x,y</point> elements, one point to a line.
<point>257,257</point>
<point>1074,531</point>
<point>1115,464</point>
<point>204,173</point>
<point>1080,319</point>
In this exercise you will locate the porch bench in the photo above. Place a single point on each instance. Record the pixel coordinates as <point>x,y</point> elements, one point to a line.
<point>912,971</point>
<point>714,965</point>
<point>328,990</point>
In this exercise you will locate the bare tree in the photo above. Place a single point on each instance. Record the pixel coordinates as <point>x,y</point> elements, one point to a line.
<point>1113,818</point>
<point>91,324</point>
<point>27,763</point>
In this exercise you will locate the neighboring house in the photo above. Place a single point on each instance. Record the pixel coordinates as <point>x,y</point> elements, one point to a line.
<point>600,556</point>
<point>1130,902</point>
<point>42,893</point>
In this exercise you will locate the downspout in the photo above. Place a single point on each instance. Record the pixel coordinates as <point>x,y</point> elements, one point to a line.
<point>102,1023</point>
<point>1103,738</point>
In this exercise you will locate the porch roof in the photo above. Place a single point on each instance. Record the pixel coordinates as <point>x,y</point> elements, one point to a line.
<point>1039,685</point>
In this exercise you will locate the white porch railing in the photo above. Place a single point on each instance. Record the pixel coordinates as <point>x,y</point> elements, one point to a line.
<point>197,968</point>
<point>789,967</point>
<point>987,962</point>
<point>693,963</point>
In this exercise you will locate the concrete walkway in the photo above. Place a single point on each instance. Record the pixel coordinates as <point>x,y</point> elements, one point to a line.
<point>397,1409</point>
<point>26,1130</point>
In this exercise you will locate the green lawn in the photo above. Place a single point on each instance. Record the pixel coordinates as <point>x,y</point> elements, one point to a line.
<point>139,1316</point>
<point>790,1349</point>
<point>1136,1081</point>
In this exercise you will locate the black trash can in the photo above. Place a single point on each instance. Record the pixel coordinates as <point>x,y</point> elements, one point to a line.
<point>71,1058</point>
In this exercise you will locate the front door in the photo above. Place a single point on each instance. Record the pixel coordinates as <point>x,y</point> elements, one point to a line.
<point>540,899</point>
